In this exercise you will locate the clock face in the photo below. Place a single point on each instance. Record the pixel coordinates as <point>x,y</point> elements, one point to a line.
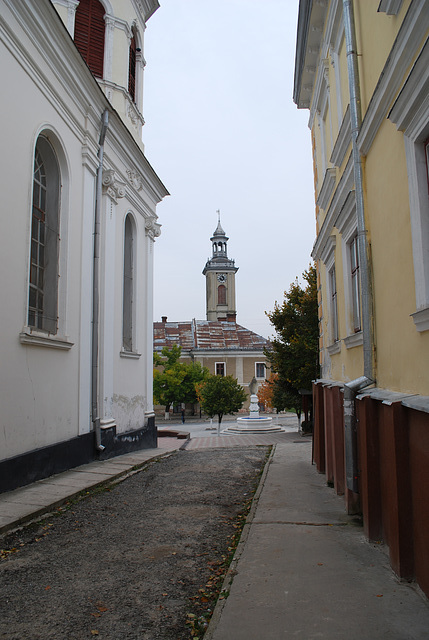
<point>221,277</point>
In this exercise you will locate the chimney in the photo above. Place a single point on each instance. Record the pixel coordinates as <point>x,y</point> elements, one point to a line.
<point>164,319</point>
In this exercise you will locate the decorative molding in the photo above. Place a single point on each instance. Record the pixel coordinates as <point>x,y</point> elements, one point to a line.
<point>343,141</point>
<point>114,187</point>
<point>134,355</point>
<point>135,179</point>
<point>334,348</point>
<point>410,113</point>
<point>402,54</point>
<point>39,339</point>
<point>321,90</point>
<point>346,222</point>
<point>407,112</point>
<point>327,188</point>
<point>354,340</point>
<point>327,255</point>
<point>133,113</point>
<point>391,7</point>
<point>153,229</point>
<point>344,186</point>
<point>421,319</point>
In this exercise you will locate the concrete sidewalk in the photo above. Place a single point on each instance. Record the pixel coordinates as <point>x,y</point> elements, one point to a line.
<point>30,502</point>
<point>303,568</point>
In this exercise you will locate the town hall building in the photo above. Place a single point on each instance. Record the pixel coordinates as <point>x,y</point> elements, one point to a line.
<point>218,343</point>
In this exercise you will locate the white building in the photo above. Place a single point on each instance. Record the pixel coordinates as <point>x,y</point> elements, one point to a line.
<point>79,222</point>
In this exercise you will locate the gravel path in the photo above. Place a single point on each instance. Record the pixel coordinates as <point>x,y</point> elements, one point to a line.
<point>141,560</point>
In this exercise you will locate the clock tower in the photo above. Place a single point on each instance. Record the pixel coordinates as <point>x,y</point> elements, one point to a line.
<point>220,279</point>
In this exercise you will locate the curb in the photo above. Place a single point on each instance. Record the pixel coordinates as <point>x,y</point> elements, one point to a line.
<point>232,569</point>
<point>50,509</point>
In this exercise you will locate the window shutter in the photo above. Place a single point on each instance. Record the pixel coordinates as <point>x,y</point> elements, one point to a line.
<point>89,34</point>
<point>132,70</point>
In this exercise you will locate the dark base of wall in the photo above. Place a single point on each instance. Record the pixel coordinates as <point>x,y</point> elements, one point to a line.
<point>118,444</point>
<point>42,463</point>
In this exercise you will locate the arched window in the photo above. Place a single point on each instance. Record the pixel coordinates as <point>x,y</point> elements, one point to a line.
<point>128,301</point>
<point>132,68</point>
<point>221,294</point>
<point>89,34</point>
<point>43,276</point>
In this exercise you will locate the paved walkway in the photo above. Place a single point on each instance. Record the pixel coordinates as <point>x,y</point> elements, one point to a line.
<point>302,569</point>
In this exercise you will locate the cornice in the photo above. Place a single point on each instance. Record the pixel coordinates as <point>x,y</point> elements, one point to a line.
<point>327,188</point>
<point>391,7</point>
<point>343,141</point>
<point>409,112</point>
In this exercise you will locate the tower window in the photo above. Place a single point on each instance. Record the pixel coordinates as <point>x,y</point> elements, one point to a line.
<point>89,34</point>
<point>132,69</point>
<point>221,294</point>
<point>43,276</point>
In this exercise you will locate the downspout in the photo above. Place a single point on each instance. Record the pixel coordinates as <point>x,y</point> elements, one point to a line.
<point>351,388</point>
<point>95,284</point>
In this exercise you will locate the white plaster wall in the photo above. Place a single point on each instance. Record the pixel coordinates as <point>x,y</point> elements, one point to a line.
<point>45,393</point>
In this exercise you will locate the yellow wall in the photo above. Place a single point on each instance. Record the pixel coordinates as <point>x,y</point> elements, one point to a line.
<point>375,33</point>
<point>400,365</point>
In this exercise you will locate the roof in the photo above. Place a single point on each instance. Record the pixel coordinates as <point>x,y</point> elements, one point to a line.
<point>205,335</point>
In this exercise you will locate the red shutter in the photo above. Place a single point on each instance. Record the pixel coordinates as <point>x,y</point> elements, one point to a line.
<point>132,70</point>
<point>89,34</point>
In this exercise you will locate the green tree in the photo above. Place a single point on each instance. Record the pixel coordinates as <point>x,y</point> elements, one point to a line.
<point>220,395</point>
<point>294,350</point>
<point>176,382</point>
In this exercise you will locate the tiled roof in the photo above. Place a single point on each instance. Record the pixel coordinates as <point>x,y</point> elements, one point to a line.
<point>206,335</point>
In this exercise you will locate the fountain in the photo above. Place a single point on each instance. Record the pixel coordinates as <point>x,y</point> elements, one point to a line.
<point>254,423</point>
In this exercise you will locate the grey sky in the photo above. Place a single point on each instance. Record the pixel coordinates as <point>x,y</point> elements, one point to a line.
<point>222,132</point>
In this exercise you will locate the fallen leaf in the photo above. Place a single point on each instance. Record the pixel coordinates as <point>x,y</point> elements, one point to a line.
<point>379,595</point>
<point>94,632</point>
<point>47,588</point>
<point>96,615</point>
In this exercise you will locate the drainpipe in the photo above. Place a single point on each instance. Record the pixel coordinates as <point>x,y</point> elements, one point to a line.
<point>95,283</point>
<point>351,388</point>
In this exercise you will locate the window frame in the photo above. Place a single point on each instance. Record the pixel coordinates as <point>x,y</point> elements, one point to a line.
<point>410,114</point>
<point>221,365</point>
<point>43,275</point>
<point>128,285</point>
<point>260,364</point>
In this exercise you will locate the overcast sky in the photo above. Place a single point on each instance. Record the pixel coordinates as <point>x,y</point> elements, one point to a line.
<point>222,132</point>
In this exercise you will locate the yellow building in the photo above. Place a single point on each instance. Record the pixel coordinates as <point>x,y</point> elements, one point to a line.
<point>362,71</point>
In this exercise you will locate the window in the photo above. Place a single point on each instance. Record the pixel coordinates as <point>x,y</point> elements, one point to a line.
<point>89,34</point>
<point>43,276</point>
<point>220,368</point>
<point>132,68</point>
<point>260,369</point>
<point>221,294</point>
<point>333,304</point>
<point>355,283</point>
<point>128,297</point>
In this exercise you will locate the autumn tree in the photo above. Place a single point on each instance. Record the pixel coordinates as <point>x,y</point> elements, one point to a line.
<point>293,353</point>
<point>176,381</point>
<point>220,395</point>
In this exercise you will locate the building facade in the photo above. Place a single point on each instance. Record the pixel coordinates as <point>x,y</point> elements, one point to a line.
<point>362,71</point>
<point>218,343</point>
<point>76,344</point>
